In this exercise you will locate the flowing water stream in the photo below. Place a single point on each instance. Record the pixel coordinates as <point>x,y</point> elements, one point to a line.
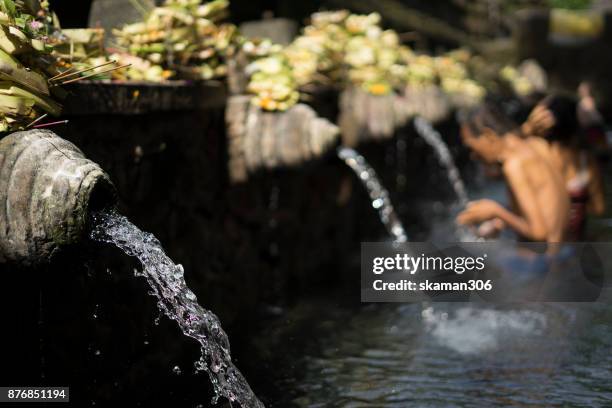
<point>435,140</point>
<point>426,130</point>
<point>377,192</point>
<point>174,298</point>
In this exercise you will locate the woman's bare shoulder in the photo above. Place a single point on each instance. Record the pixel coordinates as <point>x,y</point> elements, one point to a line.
<point>521,161</point>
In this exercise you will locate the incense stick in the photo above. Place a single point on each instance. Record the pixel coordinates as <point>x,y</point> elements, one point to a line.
<point>62,76</point>
<point>59,122</point>
<point>37,120</point>
<point>94,74</point>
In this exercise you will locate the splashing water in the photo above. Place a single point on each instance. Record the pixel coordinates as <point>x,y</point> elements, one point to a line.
<point>180,304</point>
<point>471,330</point>
<point>425,129</point>
<point>378,193</point>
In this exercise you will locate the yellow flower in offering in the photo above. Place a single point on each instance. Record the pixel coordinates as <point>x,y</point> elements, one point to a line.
<point>378,88</point>
<point>273,83</point>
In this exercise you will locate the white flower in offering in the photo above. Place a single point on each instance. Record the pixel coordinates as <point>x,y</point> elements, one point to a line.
<point>398,72</point>
<point>451,85</point>
<point>472,89</point>
<point>449,68</point>
<point>520,84</point>
<point>421,72</point>
<point>358,24</point>
<point>304,64</point>
<point>273,83</point>
<point>269,65</point>
<point>386,57</point>
<point>390,39</point>
<point>509,73</point>
<point>364,74</point>
<point>359,52</point>
<point>313,43</point>
<point>324,18</point>
<point>373,33</point>
<point>261,48</point>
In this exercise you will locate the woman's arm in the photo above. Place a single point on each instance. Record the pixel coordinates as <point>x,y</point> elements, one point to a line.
<point>522,225</point>
<point>488,210</point>
<point>529,223</point>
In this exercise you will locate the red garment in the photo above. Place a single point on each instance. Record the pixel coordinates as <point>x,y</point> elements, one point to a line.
<point>578,189</point>
<point>596,137</point>
<point>578,213</point>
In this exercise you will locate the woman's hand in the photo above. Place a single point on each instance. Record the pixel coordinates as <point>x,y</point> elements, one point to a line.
<point>539,122</point>
<point>479,211</point>
<point>491,229</point>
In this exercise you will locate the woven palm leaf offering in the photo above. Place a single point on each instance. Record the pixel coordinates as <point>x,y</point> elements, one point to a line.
<point>525,80</point>
<point>376,71</point>
<point>182,39</point>
<point>352,52</point>
<point>336,49</point>
<point>339,48</point>
<point>79,44</point>
<point>33,64</point>
<point>374,56</point>
<point>268,127</point>
<point>434,85</point>
<point>316,56</point>
<point>25,63</point>
<point>308,60</point>
<point>273,83</point>
<point>456,80</point>
<point>355,52</point>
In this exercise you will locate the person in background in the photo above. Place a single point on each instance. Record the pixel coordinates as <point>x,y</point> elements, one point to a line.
<point>590,119</point>
<point>540,204</point>
<point>552,129</point>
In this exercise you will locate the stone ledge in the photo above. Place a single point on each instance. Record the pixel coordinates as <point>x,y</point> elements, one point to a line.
<point>136,98</point>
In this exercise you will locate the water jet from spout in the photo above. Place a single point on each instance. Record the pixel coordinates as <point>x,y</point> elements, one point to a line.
<point>178,303</point>
<point>377,192</point>
<point>425,129</point>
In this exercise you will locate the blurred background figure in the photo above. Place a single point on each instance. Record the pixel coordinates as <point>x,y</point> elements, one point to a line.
<point>553,129</point>
<point>590,118</point>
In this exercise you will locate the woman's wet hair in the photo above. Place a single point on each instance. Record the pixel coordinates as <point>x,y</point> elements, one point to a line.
<point>563,108</point>
<point>490,115</point>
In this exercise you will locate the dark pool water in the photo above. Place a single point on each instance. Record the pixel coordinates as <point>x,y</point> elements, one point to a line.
<point>438,355</point>
<point>333,351</point>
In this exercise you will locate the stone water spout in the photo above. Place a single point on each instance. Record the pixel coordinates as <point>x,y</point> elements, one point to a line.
<point>365,117</point>
<point>47,190</point>
<point>269,140</point>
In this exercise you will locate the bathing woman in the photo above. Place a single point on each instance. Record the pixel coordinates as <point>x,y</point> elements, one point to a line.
<point>552,130</point>
<point>540,202</point>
